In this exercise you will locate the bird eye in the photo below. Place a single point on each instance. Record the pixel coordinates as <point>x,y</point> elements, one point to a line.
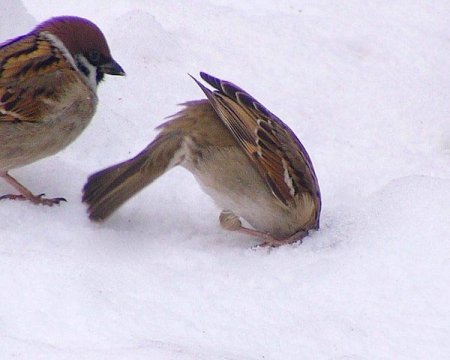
<point>94,57</point>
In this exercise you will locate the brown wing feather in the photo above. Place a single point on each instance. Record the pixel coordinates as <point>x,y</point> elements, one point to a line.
<point>30,69</point>
<point>272,147</point>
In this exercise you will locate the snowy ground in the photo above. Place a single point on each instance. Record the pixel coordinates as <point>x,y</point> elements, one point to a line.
<point>364,84</point>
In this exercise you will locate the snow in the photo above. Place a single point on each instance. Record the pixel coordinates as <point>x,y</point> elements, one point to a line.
<point>365,85</point>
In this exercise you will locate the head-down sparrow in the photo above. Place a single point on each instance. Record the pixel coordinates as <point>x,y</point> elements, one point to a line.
<point>48,85</point>
<point>243,156</point>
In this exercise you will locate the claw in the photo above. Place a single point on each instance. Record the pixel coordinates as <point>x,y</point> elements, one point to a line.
<point>51,202</point>
<point>26,194</point>
<point>12,197</point>
<point>35,199</point>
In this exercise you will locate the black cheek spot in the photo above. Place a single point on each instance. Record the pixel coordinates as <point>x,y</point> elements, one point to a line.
<point>83,68</point>
<point>100,75</point>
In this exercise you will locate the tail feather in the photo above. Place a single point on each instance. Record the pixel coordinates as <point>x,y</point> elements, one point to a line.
<point>108,189</point>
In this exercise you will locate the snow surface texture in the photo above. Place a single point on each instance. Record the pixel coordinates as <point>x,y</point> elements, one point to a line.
<point>365,85</point>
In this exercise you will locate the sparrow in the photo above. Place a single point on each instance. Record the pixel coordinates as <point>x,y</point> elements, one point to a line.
<point>243,156</point>
<point>48,92</point>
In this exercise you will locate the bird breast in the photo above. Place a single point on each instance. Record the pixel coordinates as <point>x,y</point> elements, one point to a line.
<point>68,115</point>
<point>229,178</point>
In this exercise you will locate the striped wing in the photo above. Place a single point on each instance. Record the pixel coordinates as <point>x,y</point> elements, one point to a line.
<point>32,71</point>
<point>271,146</point>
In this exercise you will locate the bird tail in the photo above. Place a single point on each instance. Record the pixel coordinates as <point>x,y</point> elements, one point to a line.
<point>108,189</point>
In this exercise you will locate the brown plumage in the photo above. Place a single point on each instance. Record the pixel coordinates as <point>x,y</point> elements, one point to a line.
<point>48,85</point>
<point>243,156</point>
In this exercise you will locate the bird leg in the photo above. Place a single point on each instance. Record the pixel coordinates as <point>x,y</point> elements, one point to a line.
<point>26,194</point>
<point>229,221</point>
<point>274,242</point>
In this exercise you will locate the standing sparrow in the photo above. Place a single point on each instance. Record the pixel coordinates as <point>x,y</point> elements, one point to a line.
<point>243,156</point>
<point>48,92</point>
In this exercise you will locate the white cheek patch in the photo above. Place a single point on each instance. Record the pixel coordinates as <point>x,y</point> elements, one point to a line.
<point>92,71</point>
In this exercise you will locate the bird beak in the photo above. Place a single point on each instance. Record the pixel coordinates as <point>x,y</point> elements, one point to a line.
<point>112,68</point>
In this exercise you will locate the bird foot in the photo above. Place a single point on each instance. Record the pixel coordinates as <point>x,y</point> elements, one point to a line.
<point>271,241</point>
<point>26,194</point>
<point>35,199</point>
<point>230,221</point>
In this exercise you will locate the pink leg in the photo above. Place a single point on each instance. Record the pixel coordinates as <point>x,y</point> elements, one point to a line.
<point>229,221</point>
<point>26,194</point>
